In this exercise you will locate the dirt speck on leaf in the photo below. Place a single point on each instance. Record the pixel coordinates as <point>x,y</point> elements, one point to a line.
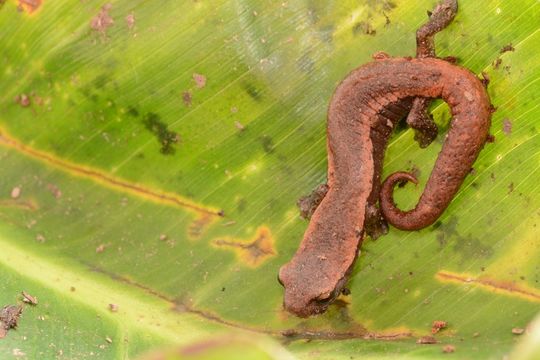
<point>507,48</point>
<point>102,21</point>
<point>518,331</point>
<point>200,80</point>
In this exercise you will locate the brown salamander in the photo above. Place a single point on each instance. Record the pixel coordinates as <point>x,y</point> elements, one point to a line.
<point>363,111</point>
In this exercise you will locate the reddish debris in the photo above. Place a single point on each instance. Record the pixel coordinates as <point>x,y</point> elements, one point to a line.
<point>29,299</point>
<point>438,325</point>
<point>448,349</point>
<point>130,20</point>
<point>507,126</point>
<point>28,5</point>
<point>426,340</point>
<point>200,80</point>
<point>102,21</point>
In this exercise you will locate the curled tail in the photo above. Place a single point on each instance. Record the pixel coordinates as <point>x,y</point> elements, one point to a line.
<point>460,150</point>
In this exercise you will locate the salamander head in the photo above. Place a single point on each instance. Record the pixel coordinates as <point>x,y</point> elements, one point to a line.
<point>308,292</point>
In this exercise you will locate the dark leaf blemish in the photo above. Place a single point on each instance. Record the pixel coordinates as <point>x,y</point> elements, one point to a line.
<point>166,138</point>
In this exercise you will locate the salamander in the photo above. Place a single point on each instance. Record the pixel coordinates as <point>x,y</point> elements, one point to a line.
<point>363,111</point>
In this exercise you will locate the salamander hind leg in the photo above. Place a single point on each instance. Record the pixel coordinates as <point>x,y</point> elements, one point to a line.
<point>375,225</point>
<point>425,128</point>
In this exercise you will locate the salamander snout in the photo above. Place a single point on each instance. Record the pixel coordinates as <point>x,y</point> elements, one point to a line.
<point>304,295</point>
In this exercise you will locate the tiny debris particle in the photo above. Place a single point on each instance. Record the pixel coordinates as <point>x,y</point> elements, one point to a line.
<point>130,20</point>
<point>200,80</point>
<point>29,299</point>
<point>239,125</point>
<point>40,238</point>
<point>437,326</point>
<point>54,190</point>
<point>518,331</point>
<point>113,307</point>
<point>15,192</point>
<point>18,352</point>
<point>448,349</point>
<point>426,340</point>
<point>108,339</point>
<point>507,126</point>
<point>187,98</point>
<point>163,237</point>
<point>100,248</point>
<point>23,100</point>
<point>9,317</point>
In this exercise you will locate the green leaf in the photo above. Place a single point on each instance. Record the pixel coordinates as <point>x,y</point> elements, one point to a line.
<point>128,128</point>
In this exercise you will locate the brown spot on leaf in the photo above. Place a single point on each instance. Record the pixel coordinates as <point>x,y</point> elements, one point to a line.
<point>199,225</point>
<point>167,138</point>
<point>253,252</point>
<point>508,288</point>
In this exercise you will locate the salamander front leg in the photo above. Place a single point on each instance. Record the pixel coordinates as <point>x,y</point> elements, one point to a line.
<point>309,203</point>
